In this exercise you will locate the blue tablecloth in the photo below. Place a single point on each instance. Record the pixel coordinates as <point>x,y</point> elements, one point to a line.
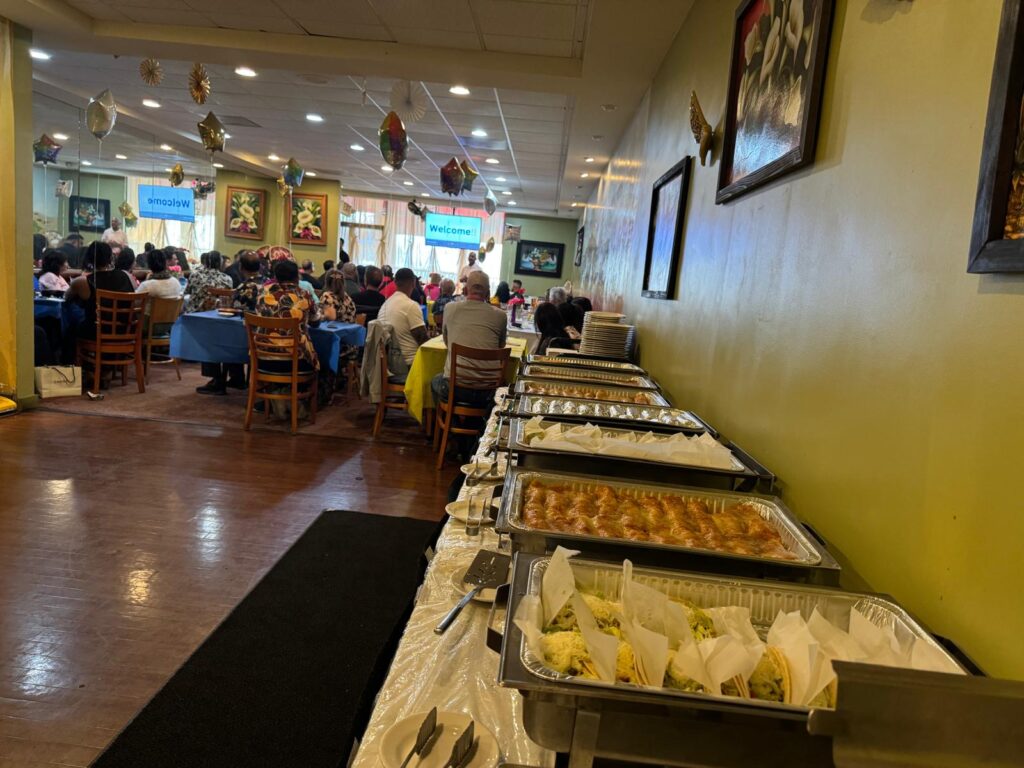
<point>207,337</point>
<point>46,307</point>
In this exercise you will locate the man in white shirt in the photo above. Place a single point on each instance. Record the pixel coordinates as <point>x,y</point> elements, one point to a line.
<point>472,266</point>
<point>405,316</point>
<point>114,235</point>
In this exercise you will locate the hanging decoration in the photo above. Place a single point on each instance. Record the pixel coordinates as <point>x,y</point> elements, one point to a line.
<point>151,72</point>
<point>490,244</point>
<point>177,175</point>
<point>128,217</point>
<point>417,210</point>
<point>347,209</point>
<point>64,188</point>
<point>101,114</point>
<point>212,133</point>
<point>283,188</point>
<point>452,177</point>
<point>470,176</point>
<point>199,83</point>
<point>200,188</point>
<point>292,173</point>
<point>393,140</point>
<point>703,132</point>
<point>490,202</point>
<point>408,100</point>
<point>46,149</point>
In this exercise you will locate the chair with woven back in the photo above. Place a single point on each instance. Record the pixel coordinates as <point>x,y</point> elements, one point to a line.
<point>120,319</point>
<point>472,369</point>
<point>353,367</point>
<point>392,391</point>
<point>278,340</point>
<point>215,297</point>
<point>161,312</point>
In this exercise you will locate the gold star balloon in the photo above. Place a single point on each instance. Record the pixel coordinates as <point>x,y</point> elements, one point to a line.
<point>470,175</point>
<point>212,133</point>
<point>177,175</point>
<point>198,83</point>
<point>128,217</point>
<point>151,72</point>
<point>490,203</point>
<point>101,114</point>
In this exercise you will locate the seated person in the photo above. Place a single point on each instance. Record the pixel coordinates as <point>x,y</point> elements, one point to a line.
<point>446,297</point>
<point>328,266</point>
<point>371,296</point>
<point>306,273</point>
<point>551,327</point>
<point>250,285</point>
<point>351,273</point>
<point>517,289</point>
<point>208,276</point>
<point>475,323</point>
<point>433,288</point>
<point>285,298</point>
<point>336,304</point>
<point>406,318</point>
<point>573,319</point>
<point>235,271</point>
<point>584,304</point>
<point>160,283</point>
<point>51,278</point>
<point>503,293</point>
<point>557,296</point>
<point>387,285</point>
<point>102,277</point>
<point>125,260</point>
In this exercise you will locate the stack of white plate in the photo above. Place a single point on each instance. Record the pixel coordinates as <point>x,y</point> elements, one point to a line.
<point>605,335</point>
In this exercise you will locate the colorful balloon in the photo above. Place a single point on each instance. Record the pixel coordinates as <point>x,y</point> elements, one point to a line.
<point>393,140</point>
<point>470,175</point>
<point>177,175</point>
<point>101,114</point>
<point>283,189</point>
<point>200,188</point>
<point>46,149</point>
<point>490,245</point>
<point>452,177</point>
<point>128,217</point>
<point>212,133</point>
<point>490,202</point>
<point>292,173</point>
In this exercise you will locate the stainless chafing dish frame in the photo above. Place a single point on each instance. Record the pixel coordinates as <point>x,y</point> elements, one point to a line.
<point>522,405</point>
<point>621,380</point>
<point>656,396</point>
<point>571,361</point>
<point>817,565</point>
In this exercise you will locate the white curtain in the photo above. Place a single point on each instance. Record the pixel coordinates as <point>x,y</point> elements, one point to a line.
<point>363,225</point>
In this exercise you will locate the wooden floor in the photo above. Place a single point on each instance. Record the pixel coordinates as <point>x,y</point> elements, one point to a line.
<point>124,542</point>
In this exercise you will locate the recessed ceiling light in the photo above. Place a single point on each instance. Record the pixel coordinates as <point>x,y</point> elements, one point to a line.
<point>588,159</point>
<point>584,175</point>
<point>424,194</point>
<point>506,192</point>
<point>166,147</point>
<point>407,183</point>
<point>459,90</point>
<point>245,71</point>
<point>512,202</point>
<point>38,55</point>
<point>151,103</point>
<point>86,162</point>
<point>60,136</point>
<point>121,157</point>
<point>218,165</point>
<point>227,135</point>
<point>500,178</point>
<point>480,133</point>
<point>387,168</point>
<point>492,161</point>
<point>311,173</point>
<point>313,117</point>
<point>356,147</point>
<point>573,205</point>
<point>273,158</point>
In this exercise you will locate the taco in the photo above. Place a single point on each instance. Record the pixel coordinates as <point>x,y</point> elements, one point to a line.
<point>770,680</point>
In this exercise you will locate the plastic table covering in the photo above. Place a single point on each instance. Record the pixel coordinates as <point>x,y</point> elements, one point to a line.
<point>454,671</point>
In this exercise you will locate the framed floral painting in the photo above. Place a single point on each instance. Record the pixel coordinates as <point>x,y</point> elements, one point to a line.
<point>245,214</point>
<point>779,52</point>
<point>308,219</point>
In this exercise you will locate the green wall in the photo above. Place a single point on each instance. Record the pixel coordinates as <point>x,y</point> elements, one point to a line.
<point>827,324</point>
<point>54,210</point>
<point>544,230</point>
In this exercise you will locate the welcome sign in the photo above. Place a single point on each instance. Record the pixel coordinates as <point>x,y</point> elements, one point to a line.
<point>453,231</point>
<point>168,203</point>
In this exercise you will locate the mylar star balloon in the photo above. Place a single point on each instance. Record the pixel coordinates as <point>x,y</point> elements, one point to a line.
<point>212,133</point>
<point>101,114</point>
<point>470,174</point>
<point>46,150</point>
<point>177,175</point>
<point>200,189</point>
<point>393,140</point>
<point>128,217</point>
<point>283,189</point>
<point>452,177</point>
<point>490,245</point>
<point>292,173</point>
<point>490,203</point>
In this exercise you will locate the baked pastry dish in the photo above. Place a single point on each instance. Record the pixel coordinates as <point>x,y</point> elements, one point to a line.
<point>582,391</point>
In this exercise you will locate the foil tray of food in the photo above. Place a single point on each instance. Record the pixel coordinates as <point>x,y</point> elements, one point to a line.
<point>584,376</point>
<point>572,361</point>
<point>580,391</point>
<point>639,416</point>
<point>702,529</point>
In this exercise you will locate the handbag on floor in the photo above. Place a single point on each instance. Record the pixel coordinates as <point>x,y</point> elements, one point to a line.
<point>59,381</point>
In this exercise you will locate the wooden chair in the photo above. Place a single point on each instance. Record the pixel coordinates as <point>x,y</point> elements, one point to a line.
<point>214,295</point>
<point>161,311</point>
<point>488,373</point>
<point>392,394</point>
<point>120,318</point>
<point>278,339</point>
<point>354,367</point>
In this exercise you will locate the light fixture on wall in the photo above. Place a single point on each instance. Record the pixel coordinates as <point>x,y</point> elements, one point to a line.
<point>39,55</point>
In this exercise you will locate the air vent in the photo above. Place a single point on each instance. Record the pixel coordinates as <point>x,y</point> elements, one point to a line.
<point>238,120</point>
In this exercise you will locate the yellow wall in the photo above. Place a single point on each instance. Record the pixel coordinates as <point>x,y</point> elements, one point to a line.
<point>276,226</point>
<point>827,323</point>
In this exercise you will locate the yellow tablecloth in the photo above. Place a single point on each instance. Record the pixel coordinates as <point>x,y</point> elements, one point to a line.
<point>430,361</point>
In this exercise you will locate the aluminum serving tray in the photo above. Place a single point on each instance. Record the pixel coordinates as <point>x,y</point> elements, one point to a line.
<point>812,562</point>
<point>524,385</point>
<point>520,668</point>
<point>609,378</point>
<point>622,414</point>
<point>568,361</point>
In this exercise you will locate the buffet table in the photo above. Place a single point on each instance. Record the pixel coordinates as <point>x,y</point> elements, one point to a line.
<point>454,671</point>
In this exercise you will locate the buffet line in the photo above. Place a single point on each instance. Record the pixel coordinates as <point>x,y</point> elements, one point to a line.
<point>632,587</point>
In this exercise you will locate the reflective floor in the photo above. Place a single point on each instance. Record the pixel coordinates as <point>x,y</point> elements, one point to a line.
<point>123,543</point>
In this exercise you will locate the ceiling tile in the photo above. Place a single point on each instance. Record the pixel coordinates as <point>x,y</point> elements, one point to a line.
<point>166,16</point>
<point>435,38</point>
<point>528,20</point>
<point>277,24</point>
<point>351,11</point>
<point>328,27</point>
<point>528,46</point>
<point>453,15</point>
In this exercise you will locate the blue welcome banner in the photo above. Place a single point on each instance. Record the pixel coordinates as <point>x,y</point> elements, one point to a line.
<point>453,231</point>
<point>168,203</point>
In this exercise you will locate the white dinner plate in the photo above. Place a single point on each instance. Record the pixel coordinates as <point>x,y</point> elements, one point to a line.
<point>400,738</point>
<point>458,509</point>
<point>483,596</point>
<point>484,465</point>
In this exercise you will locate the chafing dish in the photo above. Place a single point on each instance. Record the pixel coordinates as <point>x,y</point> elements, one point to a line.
<point>586,376</point>
<point>648,417</point>
<point>570,361</point>
<point>811,560</point>
<point>530,386</point>
<point>663,726</point>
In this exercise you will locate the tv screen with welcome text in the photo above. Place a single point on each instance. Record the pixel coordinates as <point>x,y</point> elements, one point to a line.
<point>451,231</point>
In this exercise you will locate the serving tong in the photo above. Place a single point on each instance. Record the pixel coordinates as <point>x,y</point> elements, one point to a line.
<point>424,736</point>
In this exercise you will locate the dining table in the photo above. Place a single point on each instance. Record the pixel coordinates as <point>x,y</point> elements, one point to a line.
<point>429,362</point>
<point>48,306</point>
<point>210,337</point>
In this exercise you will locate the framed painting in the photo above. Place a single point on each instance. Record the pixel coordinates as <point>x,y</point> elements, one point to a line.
<point>779,52</point>
<point>539,259</point>
<point>997,238</point>
<point>88,214</point>
<point>665,231</point>
<point>307,219</point>
<point>245,213</point>
<point>577,258</point>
